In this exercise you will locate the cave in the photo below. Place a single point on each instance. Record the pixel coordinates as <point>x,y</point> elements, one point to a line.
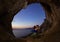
<point>25,20</point>
<point>9,8</point>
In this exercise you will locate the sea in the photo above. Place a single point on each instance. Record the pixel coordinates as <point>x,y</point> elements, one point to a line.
<point>22,32</point>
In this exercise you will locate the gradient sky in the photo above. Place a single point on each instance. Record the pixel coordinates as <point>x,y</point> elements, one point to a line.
<point>33,14</point>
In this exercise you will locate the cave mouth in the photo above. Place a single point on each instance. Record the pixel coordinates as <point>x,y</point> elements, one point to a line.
<point>32,15</point>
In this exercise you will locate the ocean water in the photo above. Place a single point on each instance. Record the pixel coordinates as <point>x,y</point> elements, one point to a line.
<point>22,32</point>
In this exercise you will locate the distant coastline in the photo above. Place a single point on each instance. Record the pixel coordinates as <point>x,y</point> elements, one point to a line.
<point>22,28</point>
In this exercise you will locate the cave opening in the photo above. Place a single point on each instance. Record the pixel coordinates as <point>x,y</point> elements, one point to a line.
<point>27,18</point>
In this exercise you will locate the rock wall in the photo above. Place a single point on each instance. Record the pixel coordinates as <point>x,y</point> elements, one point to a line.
<point>9,8</point>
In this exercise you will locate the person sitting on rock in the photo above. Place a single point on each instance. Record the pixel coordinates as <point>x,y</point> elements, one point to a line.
<point>35,30</point>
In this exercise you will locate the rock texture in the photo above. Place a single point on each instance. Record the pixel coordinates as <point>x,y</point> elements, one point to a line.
<point>9,8</point>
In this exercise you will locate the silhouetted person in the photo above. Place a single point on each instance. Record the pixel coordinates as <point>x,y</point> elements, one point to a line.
<point>35,30</point>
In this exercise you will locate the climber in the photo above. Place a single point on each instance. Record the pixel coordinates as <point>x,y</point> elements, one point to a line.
<point>35,30</point>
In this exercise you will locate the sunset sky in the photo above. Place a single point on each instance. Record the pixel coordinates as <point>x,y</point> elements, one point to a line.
<point>34,14</point>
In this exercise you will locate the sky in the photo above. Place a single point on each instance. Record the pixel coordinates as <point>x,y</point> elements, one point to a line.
<point>33,14</point>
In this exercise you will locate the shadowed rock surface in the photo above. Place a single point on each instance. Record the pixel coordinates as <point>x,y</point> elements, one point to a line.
<point>9,8</point>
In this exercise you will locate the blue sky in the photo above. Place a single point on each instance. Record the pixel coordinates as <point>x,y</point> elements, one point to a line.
<point>33,14</point>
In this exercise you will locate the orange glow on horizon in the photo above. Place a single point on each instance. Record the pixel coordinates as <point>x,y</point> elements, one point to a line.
<point>20,26</point>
